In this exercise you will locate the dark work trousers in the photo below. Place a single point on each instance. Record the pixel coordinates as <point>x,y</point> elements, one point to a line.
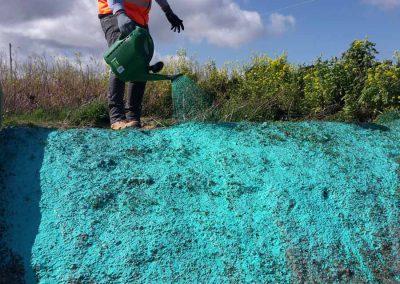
<point>136,90</point>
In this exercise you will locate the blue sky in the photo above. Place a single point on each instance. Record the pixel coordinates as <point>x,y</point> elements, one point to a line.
<point>322,27</point>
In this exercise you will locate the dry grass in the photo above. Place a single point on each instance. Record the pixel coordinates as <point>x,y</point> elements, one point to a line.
<point>73,92</point>
<point>51,84</point>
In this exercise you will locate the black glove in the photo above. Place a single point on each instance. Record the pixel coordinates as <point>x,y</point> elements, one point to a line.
<point>176,23</point>
<point>125,24</point>
<point>157,67</point>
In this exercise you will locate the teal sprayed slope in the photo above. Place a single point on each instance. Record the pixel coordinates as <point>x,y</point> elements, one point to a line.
<point>21,157</point>
<point>221,203</point>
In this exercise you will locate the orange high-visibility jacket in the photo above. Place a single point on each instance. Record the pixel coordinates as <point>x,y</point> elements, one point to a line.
<point>137,10</point>
<point>104,9</point>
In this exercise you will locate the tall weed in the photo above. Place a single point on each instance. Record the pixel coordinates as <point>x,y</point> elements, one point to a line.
<point>353,87</point>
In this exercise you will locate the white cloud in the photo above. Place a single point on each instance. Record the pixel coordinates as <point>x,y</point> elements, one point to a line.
<point>219,22</point>
<point>279,24</point>
<point>77,30</point>
<point>166,58</point>
<point>384,4</point>
<point>61,31</point>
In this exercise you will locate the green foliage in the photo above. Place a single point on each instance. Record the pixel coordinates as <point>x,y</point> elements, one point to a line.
<point>352,87</point>
<point>324,88</point>
<point>267,89</point>
<point>381,90</point>
<point>216,83</point>
<point>334,87</point>
<point>357,61</point>
<point>92,114</point>
<point>37,117</point>
<point>360,57</point>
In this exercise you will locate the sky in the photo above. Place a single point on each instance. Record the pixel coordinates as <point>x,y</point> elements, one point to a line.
<point>220,30</point>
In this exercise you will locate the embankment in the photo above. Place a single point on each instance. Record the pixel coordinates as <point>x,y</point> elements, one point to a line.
<point>272,202</point>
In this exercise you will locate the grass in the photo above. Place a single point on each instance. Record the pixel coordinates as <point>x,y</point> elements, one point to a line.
<point>355,87</point>
<point>96,115</point>
<point>37,118</point>
<point>93,114</point>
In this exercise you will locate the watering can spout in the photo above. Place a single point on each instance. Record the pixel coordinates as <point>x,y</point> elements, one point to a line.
<point>129,58</point>
<point>162,77</point>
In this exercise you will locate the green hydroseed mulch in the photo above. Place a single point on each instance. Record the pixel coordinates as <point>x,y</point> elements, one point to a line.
<point>273,202</point>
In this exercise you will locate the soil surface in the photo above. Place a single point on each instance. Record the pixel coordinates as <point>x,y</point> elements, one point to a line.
<point>272,202</point>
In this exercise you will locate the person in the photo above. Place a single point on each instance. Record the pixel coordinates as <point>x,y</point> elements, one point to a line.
<point>120,17</point>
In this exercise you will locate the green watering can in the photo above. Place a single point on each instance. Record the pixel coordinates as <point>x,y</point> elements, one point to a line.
<point>129,58</point>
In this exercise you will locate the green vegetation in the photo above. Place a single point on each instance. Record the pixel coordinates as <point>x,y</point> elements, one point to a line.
<point>352,87</point>
<point>36,117</point>
<point>93,114</point>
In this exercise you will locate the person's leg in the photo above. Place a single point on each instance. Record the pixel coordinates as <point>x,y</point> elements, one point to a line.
<point>116,86</point>
<point>116,99</point>
<point>135,99</point>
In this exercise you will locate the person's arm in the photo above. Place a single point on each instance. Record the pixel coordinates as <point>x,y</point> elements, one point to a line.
<point>116,5</point>
<point>125,24</point>
<point>176,23</point>
<point>163,4</point>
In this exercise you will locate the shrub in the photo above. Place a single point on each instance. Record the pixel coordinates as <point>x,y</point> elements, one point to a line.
<point>354,86</point>
<point>266,90</point>
<point>357,60</point>
<point>324,88</point>
<point>381,91</point>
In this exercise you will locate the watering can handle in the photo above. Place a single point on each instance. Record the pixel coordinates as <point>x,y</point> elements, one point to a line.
<point>174,77</point>
<point>122,37</point>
